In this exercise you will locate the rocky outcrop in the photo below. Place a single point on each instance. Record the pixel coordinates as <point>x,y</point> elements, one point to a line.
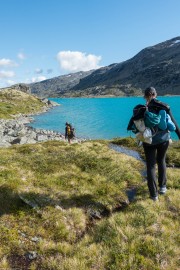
<point>22,87</point>
<point>16,131</point>
<point>49,103</point>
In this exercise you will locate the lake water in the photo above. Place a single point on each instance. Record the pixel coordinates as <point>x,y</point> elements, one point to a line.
<point>97,118</point>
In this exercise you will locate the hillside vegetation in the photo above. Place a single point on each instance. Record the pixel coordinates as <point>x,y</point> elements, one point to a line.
<point>13,102</point>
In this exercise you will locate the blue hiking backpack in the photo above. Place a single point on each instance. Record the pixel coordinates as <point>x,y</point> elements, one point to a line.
<point>151,119</point>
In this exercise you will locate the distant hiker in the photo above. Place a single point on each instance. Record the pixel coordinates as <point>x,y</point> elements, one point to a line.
<point>153,123</point>
<point>69,132</point>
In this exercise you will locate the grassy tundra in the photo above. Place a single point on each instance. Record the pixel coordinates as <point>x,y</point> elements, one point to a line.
<point>66,207</point>
<point>13,102</point>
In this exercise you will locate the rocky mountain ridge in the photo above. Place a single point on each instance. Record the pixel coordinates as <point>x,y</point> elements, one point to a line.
<point>157,66</point>
<point>57,86</point>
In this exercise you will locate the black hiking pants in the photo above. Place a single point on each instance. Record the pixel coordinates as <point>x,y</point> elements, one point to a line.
<point>156,153</point>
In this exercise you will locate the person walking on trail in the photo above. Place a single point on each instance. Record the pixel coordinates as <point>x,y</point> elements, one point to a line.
<point>69,132</point>
<point>152,124</point>
<point>156,151</point>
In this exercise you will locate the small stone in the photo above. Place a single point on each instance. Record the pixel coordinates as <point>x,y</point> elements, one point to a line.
<point>32,255</point>
<point>35,239</point>
<point>59,208</point>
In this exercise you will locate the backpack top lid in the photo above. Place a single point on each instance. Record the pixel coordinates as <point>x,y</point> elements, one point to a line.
<point>138,111</point>
<point>151,119</point>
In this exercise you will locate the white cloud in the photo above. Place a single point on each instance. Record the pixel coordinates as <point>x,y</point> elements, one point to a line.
<point>10,82</point>
<point>38,70</point>
<point>38,79</point>
<point>21,56</point>
<point>6,83</point>
<point>77,61</point>
<point>6,74</point>
<point>4,62</point>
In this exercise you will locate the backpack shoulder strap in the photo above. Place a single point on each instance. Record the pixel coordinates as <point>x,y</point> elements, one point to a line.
<point>157,105</point>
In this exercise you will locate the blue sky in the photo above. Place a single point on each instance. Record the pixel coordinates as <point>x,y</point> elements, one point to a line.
<point>41,39</point>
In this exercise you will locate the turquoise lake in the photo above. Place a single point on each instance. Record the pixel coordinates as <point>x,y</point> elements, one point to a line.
<point>97,118</point>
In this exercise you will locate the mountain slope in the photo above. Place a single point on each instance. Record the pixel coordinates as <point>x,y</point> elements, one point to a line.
<point>157,66</point>
<point>57,86</point>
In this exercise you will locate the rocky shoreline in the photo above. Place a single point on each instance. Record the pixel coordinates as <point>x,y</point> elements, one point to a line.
<point>16,131</point>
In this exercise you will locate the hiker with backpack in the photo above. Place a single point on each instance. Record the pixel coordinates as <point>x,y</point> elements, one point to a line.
<point>152,123</point>
<point>69,132</point>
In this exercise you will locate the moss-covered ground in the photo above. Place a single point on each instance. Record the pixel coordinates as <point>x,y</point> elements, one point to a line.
<point>68,205</point>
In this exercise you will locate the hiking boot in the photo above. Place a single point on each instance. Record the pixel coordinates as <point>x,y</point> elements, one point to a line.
<point>154,198</point>
<point>162,190</point>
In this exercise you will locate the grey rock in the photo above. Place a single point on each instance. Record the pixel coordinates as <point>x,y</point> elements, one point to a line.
<point>22,132</point>
<point>12,132</point>
<point>41,138</point>
<point>31,141</point>
<point>52,103</point>
<point>23,140</point>
<point>31,134</point>
<point>32,255</point>
<point>35,239</point>
<point>16,141</point>
<point>4,144</point>
<point>95,214</point>
<point>57,138</point>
